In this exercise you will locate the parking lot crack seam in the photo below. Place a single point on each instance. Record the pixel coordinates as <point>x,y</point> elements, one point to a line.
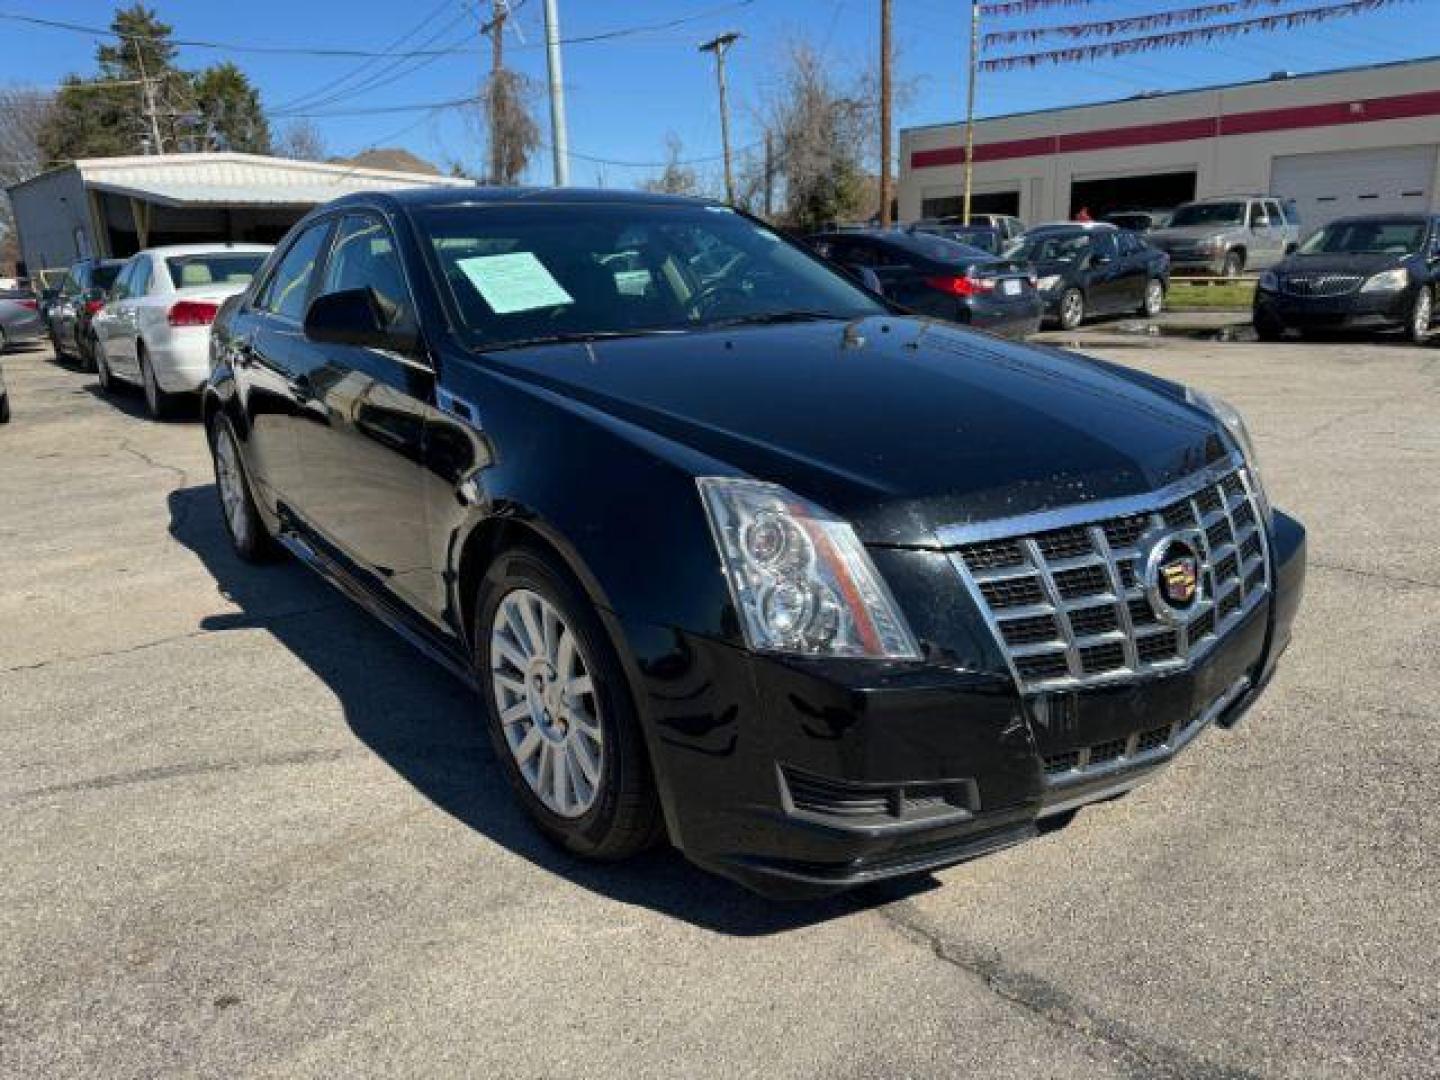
<point>1140,1057</point>
<point>1374,575</point>
<point>253,623</point>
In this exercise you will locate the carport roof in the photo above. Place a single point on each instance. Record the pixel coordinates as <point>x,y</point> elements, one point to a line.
<point>232,180</point>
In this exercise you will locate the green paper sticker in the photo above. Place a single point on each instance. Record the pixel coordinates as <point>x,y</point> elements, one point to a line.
<point>514,282</point>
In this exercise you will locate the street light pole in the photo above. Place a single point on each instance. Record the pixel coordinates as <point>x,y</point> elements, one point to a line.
<point>718,46</point>
<point>970,107</point>
<point>559,134</point>
<point>885,109</point>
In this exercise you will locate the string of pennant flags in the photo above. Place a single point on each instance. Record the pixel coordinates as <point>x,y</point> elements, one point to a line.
<point>1159,20</point>
<point>1185,18</point>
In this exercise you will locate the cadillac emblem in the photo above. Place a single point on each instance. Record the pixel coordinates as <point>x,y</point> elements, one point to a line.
<point>1174,575</point>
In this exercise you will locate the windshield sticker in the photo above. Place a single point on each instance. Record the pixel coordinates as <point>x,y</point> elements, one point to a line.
<point>514,282</point>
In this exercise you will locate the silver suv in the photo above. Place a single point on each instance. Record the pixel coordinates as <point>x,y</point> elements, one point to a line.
<point>1224,237</point>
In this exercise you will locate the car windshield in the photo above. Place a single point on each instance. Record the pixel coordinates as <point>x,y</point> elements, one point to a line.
<point>1055,247</point>
<point>1393,236</point>
<point>1215,213</point>
<point>214,268</point>
<point>521,273</point>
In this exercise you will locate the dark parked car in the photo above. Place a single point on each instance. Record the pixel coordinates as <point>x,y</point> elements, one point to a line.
<point>932,276</point>
<point>821,592</point>
<point>1086,270</point>
<point>4,398</point>
<point>82,294</point>
<point>1379,272</point>
<point>984,238</point>
<point>1139,221</point>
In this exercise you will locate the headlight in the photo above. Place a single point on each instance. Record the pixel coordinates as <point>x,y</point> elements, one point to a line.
<point>1234,423</point>
<point>1389,281</point>
<point>1268,282</point>
<point>800,577</point>
<point>1048,282</point>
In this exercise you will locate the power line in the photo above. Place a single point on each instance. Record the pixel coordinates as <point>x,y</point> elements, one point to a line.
<point>350,53</point>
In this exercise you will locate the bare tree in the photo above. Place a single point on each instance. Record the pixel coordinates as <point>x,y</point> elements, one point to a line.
<point>301,140</point>
<point>822,132</point>
<point>22,114</point>
<point>677,178</point>
<point>506,109</point>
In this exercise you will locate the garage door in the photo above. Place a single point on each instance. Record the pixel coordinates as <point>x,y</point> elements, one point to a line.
<point>1327,186</point>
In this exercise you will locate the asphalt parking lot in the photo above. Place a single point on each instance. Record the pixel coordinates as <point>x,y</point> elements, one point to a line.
<point>247,831</point>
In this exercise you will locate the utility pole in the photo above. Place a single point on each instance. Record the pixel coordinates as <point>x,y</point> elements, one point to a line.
<point>718,46</point>
<point>499,9</point>
<point>559,134</point>
<point>970,106</point>
<point>886,51</point>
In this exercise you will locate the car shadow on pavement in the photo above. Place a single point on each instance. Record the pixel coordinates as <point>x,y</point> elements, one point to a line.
<point>427,726</point>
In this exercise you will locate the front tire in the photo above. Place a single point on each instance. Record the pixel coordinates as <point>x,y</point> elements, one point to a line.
<point>1268,328</point>
<point>559,712</point>
<point>248,534</point>
<point>1072,309</point>
<point>1234,264</point>
<point>1421,316</point>
<point>1154,302</point>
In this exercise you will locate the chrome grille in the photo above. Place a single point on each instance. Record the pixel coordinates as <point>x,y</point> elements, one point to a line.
<point>1067,603</point>
<point>1320,284</point>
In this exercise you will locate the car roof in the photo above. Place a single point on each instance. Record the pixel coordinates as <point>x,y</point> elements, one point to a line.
<point>479,195</point>
<point>202,249</point>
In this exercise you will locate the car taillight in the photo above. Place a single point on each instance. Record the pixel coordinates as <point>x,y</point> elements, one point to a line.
<point>192,313</point>
<point>92,306</point>
<point>960,286</point>
<point>33,305</point>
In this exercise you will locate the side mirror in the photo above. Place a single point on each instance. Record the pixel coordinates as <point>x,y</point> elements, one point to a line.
<point>356,317</point>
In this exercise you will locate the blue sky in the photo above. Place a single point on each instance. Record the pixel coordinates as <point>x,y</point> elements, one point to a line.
<point>627,92</point>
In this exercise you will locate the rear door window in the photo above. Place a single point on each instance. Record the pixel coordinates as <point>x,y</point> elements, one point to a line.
<point>140,277</point>
<point>364,256</point>
<point>288,290</point>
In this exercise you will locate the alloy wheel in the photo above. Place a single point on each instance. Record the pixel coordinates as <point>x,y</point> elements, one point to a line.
<point>545,698</point>
<point>1154,298</point>
<point>232,487</point>
<point>1072,309</point>
<point>1422,315</point>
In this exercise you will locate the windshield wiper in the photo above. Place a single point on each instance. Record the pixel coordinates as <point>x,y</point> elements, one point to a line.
<point>572,337</point>
<point>765,318</point>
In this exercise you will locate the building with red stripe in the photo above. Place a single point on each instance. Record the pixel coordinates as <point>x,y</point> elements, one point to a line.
<point>1357,140</point>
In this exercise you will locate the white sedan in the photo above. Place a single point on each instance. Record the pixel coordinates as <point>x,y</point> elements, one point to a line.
<point>154,329</point>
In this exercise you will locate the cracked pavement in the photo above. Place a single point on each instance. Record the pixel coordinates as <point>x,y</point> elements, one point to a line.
<point>249,832</point>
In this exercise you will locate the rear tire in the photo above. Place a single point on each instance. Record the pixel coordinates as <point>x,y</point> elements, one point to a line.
<point>560,715</point>
<point>86,350</point>
<point>1072,309</point>
<point>248,534</point>
<point>4,408</point>
<point>103,377</point>
<point>158,403</point>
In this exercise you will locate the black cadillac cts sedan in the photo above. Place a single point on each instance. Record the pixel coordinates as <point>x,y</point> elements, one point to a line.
<point>734,553</point>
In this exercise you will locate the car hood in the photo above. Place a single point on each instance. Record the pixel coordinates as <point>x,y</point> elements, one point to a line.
<point>1334,263</point>
<point>1190,235</point>
<point>898,425</point>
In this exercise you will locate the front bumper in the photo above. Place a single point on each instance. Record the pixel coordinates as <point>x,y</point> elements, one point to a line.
<point>1354,311</point>
<point>800,777</point>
